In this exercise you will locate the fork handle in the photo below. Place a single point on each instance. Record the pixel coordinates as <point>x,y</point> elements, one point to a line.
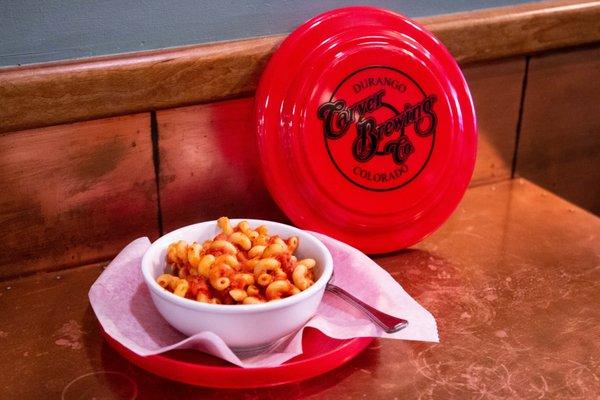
<point>388,323</point>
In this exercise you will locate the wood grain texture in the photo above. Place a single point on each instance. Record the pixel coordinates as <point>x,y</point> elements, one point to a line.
<point>208,153</point>
<point>527,28</point>
<point>497,277</point>
<point>73,91</point>
<point>56,93</point>
<point>209,164</point>
<point>72,194</point>
<point>560,138</point>
<point>496,90</point>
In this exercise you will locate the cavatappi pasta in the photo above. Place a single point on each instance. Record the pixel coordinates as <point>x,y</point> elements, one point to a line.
<point>241,265</point>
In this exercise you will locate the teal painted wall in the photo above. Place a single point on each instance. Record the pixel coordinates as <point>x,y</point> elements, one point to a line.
<point>34,31</point>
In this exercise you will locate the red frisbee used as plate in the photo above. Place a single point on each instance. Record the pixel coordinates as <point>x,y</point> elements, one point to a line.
<point>366,129</point>
<point>321,354</point>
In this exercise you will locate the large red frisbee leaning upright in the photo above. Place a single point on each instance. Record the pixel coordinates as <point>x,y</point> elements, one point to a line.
<point>366,129</point>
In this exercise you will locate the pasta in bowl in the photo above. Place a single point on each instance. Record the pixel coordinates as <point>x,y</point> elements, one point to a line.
<point>249,281</point>
<point>240,265</point>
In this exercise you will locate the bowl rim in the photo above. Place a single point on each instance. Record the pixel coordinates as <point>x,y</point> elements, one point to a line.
<point>155,288</point>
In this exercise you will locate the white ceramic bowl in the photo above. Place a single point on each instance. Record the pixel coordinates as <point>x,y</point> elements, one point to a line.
<point>240,326</point>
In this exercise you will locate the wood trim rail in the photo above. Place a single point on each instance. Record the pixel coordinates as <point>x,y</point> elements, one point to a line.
<point>517,30</point>
<point>55,93</point>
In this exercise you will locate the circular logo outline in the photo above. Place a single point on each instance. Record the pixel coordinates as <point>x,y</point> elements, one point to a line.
<point>333,159</point>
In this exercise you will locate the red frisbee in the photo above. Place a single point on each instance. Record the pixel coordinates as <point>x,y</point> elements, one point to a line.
<point>366,129</point>
<point>321,354</point>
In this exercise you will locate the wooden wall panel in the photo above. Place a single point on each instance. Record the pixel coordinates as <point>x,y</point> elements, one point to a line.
<point>209,164</point>
<point>208,153</point>
<point>535,26</point>
<point>496,89</point>
<point>560,139</point>
<point>99,87</point>
<point>76,193</point>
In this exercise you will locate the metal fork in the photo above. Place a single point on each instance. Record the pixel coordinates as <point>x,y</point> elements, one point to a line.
<point>245,352</point>
<point>388,323</point>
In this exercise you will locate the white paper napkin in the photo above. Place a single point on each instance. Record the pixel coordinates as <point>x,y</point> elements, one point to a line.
<point>125,310</point>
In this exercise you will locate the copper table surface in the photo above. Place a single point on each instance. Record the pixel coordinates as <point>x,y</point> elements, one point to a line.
<point>513,279</point>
